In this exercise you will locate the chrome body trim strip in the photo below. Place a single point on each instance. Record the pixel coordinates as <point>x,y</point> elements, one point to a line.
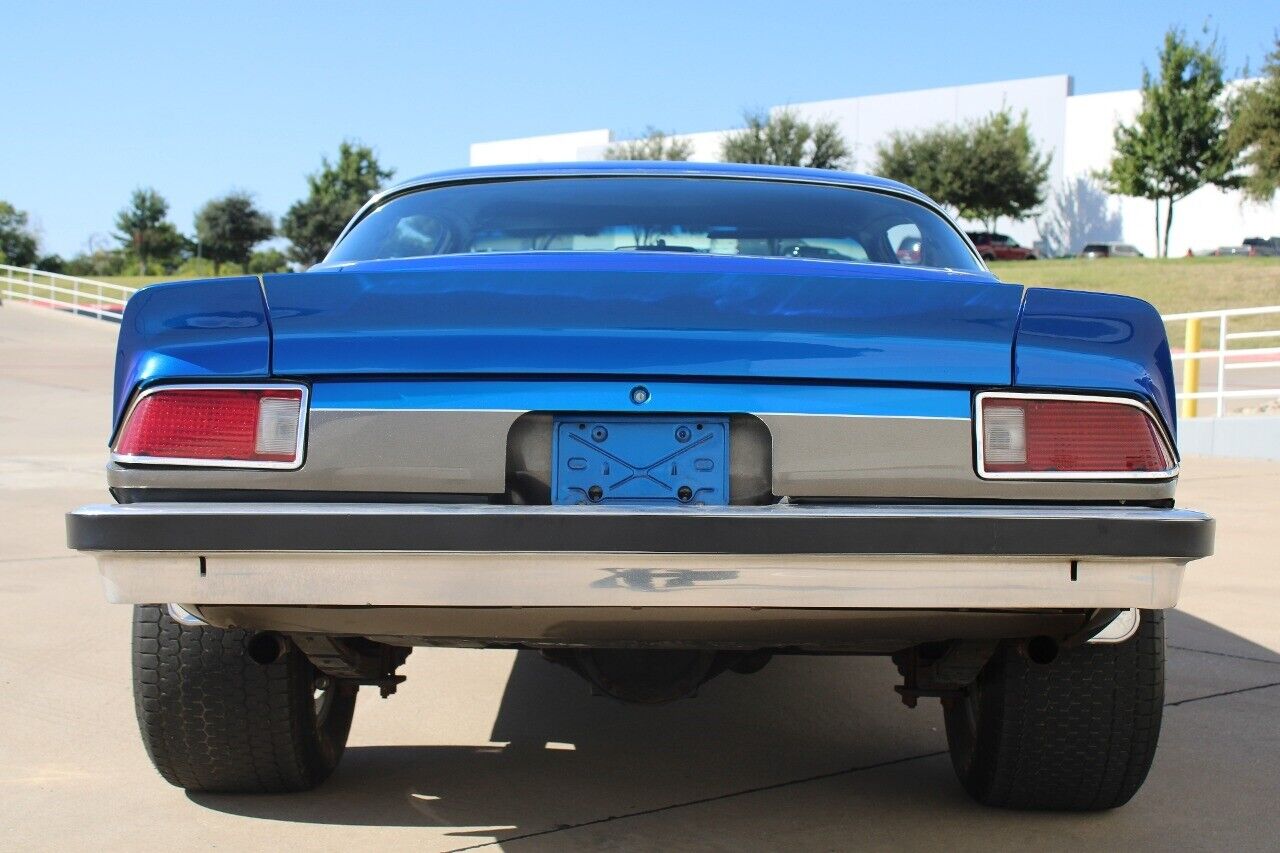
<point>464,451</point>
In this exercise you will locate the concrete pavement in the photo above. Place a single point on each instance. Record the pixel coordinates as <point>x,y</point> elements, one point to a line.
<point>811,753</point>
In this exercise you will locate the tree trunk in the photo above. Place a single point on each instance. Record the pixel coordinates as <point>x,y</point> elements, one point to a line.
<point>1157,204</point>
<point>217,268</point>
<point>1168,225</point>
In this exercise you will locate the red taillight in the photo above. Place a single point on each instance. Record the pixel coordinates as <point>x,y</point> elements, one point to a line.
<point>256,427</point>
<point>1071,438</point>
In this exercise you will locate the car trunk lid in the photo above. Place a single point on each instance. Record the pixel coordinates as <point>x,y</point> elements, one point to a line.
<point>657,315</point>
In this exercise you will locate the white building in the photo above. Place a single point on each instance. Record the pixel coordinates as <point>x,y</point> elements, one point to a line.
<point>1076,129</point>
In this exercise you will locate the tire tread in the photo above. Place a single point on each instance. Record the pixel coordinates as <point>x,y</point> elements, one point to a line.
<point>1078,734</point>
<point>212,719</point>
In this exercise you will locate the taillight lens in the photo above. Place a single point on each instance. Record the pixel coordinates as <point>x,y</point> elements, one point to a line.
<point>1047,436</point>
<point>233,426</point>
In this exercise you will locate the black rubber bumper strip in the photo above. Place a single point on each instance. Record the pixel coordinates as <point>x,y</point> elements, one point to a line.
<point>945,530</point>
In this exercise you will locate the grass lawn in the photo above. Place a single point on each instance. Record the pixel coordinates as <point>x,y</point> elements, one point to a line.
<point>141,280</point>
<point>1173,285</point>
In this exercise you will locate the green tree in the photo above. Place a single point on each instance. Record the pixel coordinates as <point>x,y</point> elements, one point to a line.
<point>229,227</point>
<point>1178,141</point>
<point>1255,131</point>
<point>654,145</point>
<point>334,194</point>
<point>268,260</point>
<point>931,160</point>
<point>144,232</point>
<point>52,263</point>
<point>1004,172</point>
<point>982,170</point>
<point>784,139</point>
<point>96,263</point>
<point>18,245</point>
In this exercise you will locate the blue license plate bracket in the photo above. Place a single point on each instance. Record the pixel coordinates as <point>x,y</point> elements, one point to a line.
<point>647,460</point>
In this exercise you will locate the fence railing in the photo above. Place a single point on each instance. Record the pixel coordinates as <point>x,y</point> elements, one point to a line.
<point>65,292</point>
<point>1227,357</point>
<point>106,301</point>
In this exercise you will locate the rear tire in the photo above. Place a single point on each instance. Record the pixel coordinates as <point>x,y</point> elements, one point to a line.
<point>1077,734</point>
<point>214,719</point>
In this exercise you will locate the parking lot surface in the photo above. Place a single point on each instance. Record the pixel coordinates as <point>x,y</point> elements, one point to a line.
<point>491,747</point>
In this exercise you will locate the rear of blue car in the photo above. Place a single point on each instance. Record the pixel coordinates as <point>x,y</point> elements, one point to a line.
<point>658,422</point>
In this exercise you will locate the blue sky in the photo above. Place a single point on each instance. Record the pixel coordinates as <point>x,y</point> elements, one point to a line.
<point>196,99</point>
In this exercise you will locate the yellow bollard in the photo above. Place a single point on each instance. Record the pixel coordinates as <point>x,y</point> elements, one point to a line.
<point>1191,368</point>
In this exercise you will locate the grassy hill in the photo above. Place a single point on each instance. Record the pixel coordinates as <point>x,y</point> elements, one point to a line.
<point>1173,285</point>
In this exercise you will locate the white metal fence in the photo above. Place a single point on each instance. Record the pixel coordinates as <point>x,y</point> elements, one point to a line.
<point>1235,366</point>
<point>64,292</point>
<point>106,301</point>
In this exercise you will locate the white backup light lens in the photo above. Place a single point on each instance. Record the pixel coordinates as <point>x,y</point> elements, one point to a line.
<point>277,425</point>
<point>1004,435</point>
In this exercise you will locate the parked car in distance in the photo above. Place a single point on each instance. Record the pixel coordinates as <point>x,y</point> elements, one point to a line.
<point>1110,250</point>
<point>659,422</point>
<point>1254,247</point>
<point>1000,247</point>
<point>1262,247</point>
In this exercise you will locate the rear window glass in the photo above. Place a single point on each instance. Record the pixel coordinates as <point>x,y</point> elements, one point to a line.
<point>658,214</point>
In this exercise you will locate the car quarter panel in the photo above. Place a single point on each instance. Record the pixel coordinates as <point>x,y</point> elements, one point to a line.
<point>192,330</point>
<point>1095,342</point>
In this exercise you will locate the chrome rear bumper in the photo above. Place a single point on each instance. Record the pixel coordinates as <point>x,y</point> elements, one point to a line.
<point>739,557</point>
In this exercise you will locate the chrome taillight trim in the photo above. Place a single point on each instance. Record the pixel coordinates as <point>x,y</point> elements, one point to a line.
<point>1169,445</point>
<point>173,461</point>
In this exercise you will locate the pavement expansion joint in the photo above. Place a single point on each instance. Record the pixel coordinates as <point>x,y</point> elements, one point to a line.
<point>1223,693</point>
<point>701,800</point>
<point>820,776</point>
<point>1275,662</point>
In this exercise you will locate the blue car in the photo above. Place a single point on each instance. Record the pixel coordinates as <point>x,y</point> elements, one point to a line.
<point>658,421</point>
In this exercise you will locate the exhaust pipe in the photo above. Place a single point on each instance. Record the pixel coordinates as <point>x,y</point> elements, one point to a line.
<point>267,648</point>
<point>1042,650</point>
